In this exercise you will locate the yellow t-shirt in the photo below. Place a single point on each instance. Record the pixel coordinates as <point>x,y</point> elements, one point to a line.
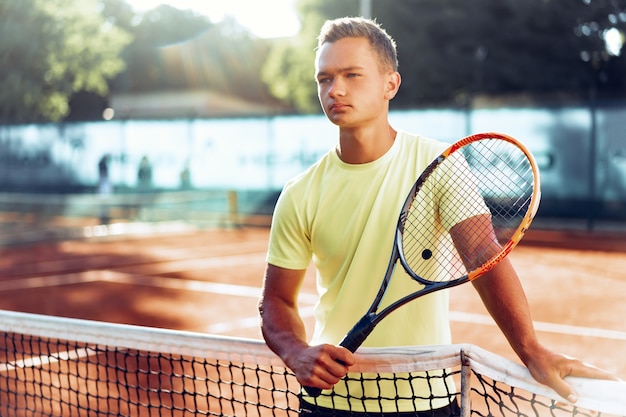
<point>343,217</point>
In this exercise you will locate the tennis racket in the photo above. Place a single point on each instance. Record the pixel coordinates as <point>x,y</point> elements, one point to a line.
<point>466,211</point>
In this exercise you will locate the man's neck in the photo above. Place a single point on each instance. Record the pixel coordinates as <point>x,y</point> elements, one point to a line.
<point>360,146</point>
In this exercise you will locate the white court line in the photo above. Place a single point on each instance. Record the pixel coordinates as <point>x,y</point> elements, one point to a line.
<point>246,323</point>
<point>50,281</point>
<point>106,275</point>
<point>35,361</point>
<point>182,254</point>
<point>206,263</point>
<point>193,285</point>
<point>473,318</point>
<point>254,292</point>
<point>455,316</point>
<point>182,284</point>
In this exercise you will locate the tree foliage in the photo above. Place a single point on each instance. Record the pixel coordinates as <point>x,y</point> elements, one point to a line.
<point>180,50</point>
<point>289,71</point>
<point>60,59</point>
<point>50,49</point>
<point>451,49</point>
<point>219,57</point>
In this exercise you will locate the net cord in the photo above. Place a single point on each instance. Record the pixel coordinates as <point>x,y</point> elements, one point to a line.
<point>599,395</point>
<point>603,396</point>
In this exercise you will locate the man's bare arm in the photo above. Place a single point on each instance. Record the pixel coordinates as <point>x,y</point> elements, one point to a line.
<point>285,333</point>
<point>503,295</point>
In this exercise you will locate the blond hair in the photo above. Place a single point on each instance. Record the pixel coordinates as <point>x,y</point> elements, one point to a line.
<point>358,27</point>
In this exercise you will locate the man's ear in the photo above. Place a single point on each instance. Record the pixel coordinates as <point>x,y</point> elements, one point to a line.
<point>393,84</point>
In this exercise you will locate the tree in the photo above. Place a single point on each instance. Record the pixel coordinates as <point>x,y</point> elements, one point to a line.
<point>50,49</point>
<point>451,49</point>
<point>604,28</point>
<point>154,31</point>
<point>180,50</point>
<point>288,70</point>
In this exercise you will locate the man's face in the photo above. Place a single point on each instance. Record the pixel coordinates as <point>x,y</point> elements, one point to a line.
<point>352,87</point>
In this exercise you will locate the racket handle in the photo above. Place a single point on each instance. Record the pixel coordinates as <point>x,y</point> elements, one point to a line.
<point>313,391</point>
<point>355,337</point>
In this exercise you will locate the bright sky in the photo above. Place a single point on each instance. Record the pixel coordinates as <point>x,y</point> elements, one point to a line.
<point>264,18</point>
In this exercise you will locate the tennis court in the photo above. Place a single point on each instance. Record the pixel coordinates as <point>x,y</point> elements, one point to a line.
<point>174,276</point>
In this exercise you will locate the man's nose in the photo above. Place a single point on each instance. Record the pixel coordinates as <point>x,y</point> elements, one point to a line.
<point>337,88</point>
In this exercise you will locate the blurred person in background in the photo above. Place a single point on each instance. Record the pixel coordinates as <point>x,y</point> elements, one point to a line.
<point>105,189</point>
<point>144,174</point>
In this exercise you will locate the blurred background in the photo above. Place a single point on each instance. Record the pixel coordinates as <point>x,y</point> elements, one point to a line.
<point>138,110</point>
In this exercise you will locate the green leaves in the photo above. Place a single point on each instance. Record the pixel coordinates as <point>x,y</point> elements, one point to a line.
<point>450,50</point>
<point>50,49</point>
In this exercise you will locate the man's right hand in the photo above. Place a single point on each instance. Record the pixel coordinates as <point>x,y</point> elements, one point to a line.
<point>320,366</point>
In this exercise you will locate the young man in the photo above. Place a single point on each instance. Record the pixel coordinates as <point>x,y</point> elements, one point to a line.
<point>342,212</point>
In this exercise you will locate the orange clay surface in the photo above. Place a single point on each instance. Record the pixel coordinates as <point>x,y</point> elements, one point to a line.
<point>575,283</point>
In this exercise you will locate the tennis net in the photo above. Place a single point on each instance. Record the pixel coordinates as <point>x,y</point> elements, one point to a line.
<point>53,366</point>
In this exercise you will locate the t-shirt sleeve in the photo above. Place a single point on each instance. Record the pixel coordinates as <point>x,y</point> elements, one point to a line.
<point>459,194</point>
<point>290,241</point>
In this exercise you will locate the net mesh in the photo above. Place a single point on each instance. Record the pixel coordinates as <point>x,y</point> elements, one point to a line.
<point>53,366</point>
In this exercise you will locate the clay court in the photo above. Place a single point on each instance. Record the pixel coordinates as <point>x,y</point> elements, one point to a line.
<point>208,280</point>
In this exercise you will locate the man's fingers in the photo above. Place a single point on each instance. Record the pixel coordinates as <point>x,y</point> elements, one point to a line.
<point>577,368</point>
<point>589,371</point>
<point>330,365</point>
<point>563,389</point>
<point>344,356</point>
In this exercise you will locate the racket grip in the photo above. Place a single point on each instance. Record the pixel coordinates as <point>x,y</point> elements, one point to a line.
<point>313,391</point>
<point>355,337</point>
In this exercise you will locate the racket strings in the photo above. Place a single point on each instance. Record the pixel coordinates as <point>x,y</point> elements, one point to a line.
<point>508,190</point>
<point>421,254</point>
<point>490,180</point>
<point>515,190</point>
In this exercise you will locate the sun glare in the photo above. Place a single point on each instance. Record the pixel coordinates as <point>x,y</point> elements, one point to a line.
<point>614,41</point>
<point>266,19</point>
